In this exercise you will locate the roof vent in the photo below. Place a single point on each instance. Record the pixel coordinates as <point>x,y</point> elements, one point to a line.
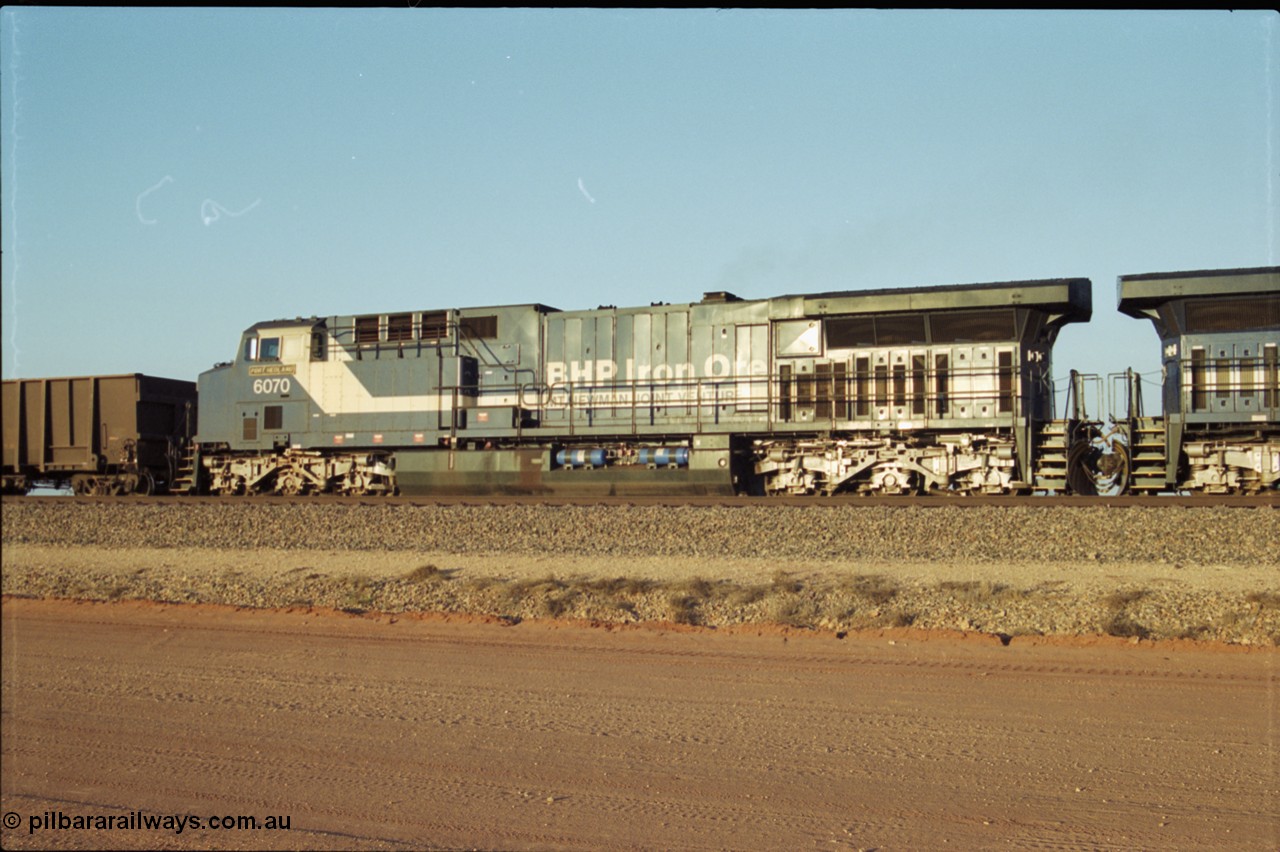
<point>720,296</point>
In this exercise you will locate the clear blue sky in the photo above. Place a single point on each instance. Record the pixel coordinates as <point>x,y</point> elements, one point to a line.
<point>171,177</point>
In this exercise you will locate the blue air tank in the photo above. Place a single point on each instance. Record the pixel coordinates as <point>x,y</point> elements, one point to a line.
<point>665,456</point>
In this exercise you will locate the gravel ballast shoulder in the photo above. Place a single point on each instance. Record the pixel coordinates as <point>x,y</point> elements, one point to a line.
<point>1190,536</point>
<point>1135,572</point>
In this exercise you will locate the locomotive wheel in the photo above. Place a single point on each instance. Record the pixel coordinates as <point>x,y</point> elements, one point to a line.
<point>146,484</point>
<point>16,485</point>
<point>291,483</point>
<point>229,487</point>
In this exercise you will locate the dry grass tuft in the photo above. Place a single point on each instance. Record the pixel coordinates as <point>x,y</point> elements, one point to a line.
<point>1121,599</point>
<point>357,593</point>
<point>624,586</point>
<point>695,587</point>
<point>783,583</point>
<point>554,606</point>
<point>1121,624</point>
<point>1193,631</point>
<point>683,609</point>
<point>547,595</point>
<point>876,588</point>
<point>794,611</point>
<point>900,619</point>
<point>1264,600</point>
<point>747,595</point>
<point>975,591</point>
<point>1117,621</point>
<point>429,574</point>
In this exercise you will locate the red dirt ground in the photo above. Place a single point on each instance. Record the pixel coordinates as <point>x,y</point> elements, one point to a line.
<point>431,732</point>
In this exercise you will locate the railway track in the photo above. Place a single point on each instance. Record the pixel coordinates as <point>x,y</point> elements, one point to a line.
<point>1271,500</point>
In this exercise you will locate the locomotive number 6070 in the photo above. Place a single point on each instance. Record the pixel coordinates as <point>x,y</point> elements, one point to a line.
<point>277,385</point>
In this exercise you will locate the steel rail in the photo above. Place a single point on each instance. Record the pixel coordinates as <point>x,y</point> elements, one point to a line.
<point>1182,501</point>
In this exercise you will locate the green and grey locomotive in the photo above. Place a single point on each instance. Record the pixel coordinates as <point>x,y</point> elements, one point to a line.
<point>898,391</point>
<point>885,391</point>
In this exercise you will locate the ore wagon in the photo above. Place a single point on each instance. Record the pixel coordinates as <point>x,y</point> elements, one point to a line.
<point>119,434</point>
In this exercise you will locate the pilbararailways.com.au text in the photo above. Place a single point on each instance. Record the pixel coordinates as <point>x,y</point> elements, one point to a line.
<point>139,821</point>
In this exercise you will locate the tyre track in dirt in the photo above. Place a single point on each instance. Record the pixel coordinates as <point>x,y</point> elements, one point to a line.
<point>435,733</point>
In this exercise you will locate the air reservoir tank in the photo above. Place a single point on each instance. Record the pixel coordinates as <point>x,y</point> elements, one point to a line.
<point>581,458</point>
<point>664,456</point>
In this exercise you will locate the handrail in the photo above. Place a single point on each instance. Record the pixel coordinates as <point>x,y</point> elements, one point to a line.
<point>828,401</point>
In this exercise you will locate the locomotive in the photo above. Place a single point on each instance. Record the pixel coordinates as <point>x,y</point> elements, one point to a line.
<point>1220,395</point>
<point>900,391</point>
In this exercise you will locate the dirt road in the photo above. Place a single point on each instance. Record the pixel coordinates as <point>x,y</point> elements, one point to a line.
<point>399,732</point>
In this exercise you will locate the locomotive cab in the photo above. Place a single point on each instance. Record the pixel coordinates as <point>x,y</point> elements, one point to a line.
<point>260,434</point>
<point>261,402</point>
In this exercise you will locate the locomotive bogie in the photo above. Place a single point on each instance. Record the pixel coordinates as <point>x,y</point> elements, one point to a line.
<point>294,472</point>
<point>955,463</point>
<point>1220,467</point>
